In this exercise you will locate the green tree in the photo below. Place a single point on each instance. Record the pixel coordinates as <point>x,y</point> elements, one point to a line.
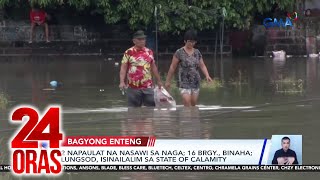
<point>174,15</point>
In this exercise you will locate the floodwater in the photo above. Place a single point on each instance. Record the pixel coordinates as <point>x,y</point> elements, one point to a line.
<point>259,98</point>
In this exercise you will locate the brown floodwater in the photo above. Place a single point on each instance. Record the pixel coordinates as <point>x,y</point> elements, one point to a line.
<point>283,95</point>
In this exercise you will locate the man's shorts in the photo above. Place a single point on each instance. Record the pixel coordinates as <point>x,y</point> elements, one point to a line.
<point>189,91</point>
<point>139,97</point>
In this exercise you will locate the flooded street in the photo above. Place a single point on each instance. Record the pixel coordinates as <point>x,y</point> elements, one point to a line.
<point>259,98</point>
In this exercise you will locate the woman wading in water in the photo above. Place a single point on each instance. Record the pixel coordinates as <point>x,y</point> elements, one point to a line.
<point>189,61</point>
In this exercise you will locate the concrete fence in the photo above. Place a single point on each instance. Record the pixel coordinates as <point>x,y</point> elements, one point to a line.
<point>67,39</point>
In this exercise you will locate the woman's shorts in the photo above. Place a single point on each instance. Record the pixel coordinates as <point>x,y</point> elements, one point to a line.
<point>189,91</point>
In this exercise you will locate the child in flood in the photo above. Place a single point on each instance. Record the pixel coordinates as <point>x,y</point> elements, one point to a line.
<point>38,17</point>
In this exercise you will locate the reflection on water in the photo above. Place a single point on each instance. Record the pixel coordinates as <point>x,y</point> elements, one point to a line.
<point>285,81</point>
<point>182,123</point>
<point>189,123</point>
<point>139,121</point>
<point>253,103</point>
<point>312,76</point>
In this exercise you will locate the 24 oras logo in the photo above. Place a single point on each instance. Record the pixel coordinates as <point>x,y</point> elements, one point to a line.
<point>291,17</point>
<point>30,152</point>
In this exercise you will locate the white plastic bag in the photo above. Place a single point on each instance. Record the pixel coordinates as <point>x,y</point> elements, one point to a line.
<point>163,99</point>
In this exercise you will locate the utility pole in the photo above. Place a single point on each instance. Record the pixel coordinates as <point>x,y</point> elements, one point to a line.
<point>224,14</point>
<point>156,24</point>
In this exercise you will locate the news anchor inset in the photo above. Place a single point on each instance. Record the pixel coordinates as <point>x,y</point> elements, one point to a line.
<point>285,156</point>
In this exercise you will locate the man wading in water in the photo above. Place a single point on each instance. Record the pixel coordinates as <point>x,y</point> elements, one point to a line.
<point>138,64</point>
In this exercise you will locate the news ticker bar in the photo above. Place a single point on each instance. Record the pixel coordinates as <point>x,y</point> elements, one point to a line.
<point>186,168</point>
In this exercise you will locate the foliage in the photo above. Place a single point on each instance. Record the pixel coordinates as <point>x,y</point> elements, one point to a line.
<point>174,15</point>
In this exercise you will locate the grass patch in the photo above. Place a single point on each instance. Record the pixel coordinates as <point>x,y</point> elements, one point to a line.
<point>214,85</point>
<point>3,175</point>
<point>289,86</point>
<point>3,101</point>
